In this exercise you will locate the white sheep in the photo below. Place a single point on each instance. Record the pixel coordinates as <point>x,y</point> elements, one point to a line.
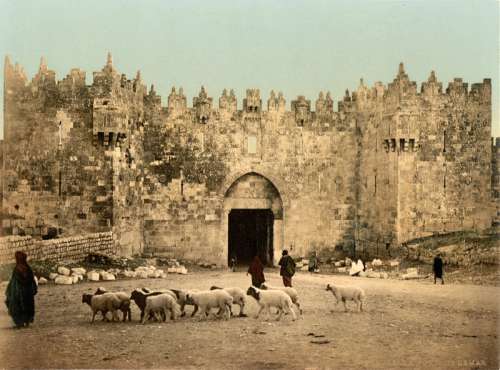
<point>272,298</point>
<point>161,304</point>
<point>347,293</point>
<point>182,299</point>
<point>206,300</point>
<point>162,291</point>
<point>238,295</point>
<point>294,296</point>
<point>139,297</point>
<point>103,303</point>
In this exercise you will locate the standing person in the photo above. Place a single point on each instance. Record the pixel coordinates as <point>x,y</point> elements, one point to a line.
<point>287,269</point>
<point>234,261</point>
<point>256,270</point>
<point>21,291</point>
<point>437,267</point>
<point>313,262</point>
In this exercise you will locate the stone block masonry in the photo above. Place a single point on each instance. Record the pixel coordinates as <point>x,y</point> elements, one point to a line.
<point>56,250</point>
<point>393,163</point>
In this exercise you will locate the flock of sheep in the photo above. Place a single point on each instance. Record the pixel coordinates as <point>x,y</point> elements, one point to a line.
<point>171,303</point>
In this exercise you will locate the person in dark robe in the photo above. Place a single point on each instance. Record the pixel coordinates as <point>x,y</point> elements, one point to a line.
<point>256,270</point>
<point>21,291</point>
<point>437,268</point>
<point>313,265</point>
<point>287,269</point>
<point>234,261</point>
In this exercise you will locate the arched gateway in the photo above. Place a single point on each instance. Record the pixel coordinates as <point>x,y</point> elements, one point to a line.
<point>253,219</point>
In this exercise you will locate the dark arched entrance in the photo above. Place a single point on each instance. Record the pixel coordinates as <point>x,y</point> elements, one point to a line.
<point>254,219</point>
<point>251,233</point>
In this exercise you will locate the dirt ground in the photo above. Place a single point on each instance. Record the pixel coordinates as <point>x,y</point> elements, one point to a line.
<point>406,324</point>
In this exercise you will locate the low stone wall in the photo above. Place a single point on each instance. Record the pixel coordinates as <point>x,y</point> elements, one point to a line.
<point>64,249</point>
<point>484,251</point>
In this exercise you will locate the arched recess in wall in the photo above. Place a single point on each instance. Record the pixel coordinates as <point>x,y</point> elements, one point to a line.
<point>252,223</point>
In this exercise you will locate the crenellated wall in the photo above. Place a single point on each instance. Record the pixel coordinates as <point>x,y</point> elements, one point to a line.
<point>68,154</point>
<point>427,165</point>
<point>391,164</point>
<point>311,166</point>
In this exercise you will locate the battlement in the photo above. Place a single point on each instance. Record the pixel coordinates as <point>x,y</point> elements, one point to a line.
<point>395,162</point>
<point>252,103</point>
<point>109,82</point>
<point>153,98</point>
<point>276,103</point>
<point>14,76</point>
<point>302,110</point>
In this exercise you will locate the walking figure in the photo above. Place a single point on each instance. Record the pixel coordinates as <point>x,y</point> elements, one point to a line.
<point>256,270</point>
<point>437,267</point>
<point>287,269</point>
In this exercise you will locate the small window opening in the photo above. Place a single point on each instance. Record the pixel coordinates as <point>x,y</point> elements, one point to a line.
<point>412,145</point>
<point>401,145</point>
<point>393,145</point>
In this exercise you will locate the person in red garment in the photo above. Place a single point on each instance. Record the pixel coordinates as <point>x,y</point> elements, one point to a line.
<point>256,270</point>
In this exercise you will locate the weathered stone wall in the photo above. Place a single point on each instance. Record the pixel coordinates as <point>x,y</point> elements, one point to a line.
<point>50,169</point>
<point>64,249</point>
<point>69,153</point>
<point>495,181</point>
<point>392,164</point>
<point>1,186</point>
<point>307,156</point>
<point>426,160</point>
<point>377,181</point>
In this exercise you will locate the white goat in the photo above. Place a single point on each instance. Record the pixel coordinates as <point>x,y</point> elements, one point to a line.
<point>206,300</point>
<point>347,293</point>
<point>161,303</point>
<point>272,298</point>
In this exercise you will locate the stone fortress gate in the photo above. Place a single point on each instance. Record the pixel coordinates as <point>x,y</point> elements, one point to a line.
<point>384,165</point>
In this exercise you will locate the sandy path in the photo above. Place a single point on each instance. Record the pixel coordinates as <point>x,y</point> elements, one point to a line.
<point>412,325</point>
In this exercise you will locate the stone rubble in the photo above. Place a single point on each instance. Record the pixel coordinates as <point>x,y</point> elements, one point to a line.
<point>64,280</point>
<point>63,271</point>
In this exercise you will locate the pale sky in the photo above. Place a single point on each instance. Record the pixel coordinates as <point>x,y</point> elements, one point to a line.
<point>299,47</point>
